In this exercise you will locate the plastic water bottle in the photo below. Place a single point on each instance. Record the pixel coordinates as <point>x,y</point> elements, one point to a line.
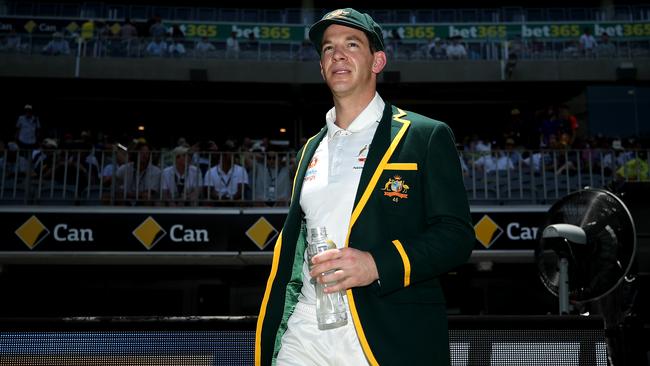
<point>330,308</point>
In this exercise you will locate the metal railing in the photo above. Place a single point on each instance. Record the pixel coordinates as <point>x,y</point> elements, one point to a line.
<point>89,177</point>
<point>194,48</point>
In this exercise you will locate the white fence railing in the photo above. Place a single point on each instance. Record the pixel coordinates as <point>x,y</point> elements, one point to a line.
<point>90,177</point>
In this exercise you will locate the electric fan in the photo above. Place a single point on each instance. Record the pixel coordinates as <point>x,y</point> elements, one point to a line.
<point>587,246</point>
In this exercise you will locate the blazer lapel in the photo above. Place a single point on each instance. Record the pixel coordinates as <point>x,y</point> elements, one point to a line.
<point>303,163</point>
<point>390,131</point>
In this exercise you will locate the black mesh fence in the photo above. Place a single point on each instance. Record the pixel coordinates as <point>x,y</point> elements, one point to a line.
<point>229,341</point>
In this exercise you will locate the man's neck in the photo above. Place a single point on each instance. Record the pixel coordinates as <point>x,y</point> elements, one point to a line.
<point>349,108</point>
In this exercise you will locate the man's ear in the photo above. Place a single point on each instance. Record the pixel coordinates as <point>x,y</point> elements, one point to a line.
<point>379,62</point>
<point>322,72</point>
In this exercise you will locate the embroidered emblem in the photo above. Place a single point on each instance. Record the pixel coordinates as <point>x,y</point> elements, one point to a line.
<point>311,170</point>
<point>396,188</point>
<point>340,13</point>
<point>313,162</point>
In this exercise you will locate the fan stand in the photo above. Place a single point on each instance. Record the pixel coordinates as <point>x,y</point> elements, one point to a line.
<point>563,289</point>
<point>569,234</point>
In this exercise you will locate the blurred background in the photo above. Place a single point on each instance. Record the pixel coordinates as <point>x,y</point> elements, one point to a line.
<point>147,149</point>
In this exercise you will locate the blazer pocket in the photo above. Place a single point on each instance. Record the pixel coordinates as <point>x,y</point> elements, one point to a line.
<point>401,166</point>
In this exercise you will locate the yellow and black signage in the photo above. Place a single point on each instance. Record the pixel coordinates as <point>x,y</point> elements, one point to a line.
<point>32,232</point>
<point>159,230</point>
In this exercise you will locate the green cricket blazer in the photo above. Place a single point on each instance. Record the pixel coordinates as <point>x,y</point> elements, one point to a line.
<point>411,213</point>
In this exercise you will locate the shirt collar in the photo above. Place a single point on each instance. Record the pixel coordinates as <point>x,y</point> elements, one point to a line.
<point>371,114</point>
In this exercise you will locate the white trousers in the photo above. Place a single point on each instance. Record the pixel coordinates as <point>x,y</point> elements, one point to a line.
<point>303,344</point>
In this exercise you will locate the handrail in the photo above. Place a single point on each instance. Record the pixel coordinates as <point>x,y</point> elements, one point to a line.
<point>89,177</point>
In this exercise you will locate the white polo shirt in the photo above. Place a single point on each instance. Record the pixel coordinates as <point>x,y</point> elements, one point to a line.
<point>226,184</point>
<point>331,181</point>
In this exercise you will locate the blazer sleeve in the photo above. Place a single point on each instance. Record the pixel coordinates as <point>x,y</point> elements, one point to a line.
<point>448,238</point>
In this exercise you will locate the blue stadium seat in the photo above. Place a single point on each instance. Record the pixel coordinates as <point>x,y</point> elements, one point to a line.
<point>92,10</point>
<point>513,14</point>
<point>273,16</point>
<point>294,16</point>
<point>403,16</point>
<point>623,12</point>
<point>70,10</point>
<point>249,15</point>
<point>556,14</point>
<point>468,15</point>
<point>228,15</point>
<point>206,14</point>
<point>489,15</point>
<point>382,16</point>
<point>116,11</point>
<point>47,10</point>
<point>642,12</point>
<point>184,13</point>
<point>162,11</point>
<point>23,8</point>
<point>424,16</point>
<point>536,15</point>
<point>445,15</point>
<point>139,12</point>
<point>578,14</point>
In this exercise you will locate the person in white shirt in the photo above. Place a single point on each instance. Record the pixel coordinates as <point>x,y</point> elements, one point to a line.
<point>587,42</point>
<point>232,46</point>
<point>387,186</point>
<point>157,47</point>
<point>456,50</point>
<point>181,182</point>
<point>204,47</point>
<point>271,183</point>
<point>176,48</point>
<point>139,179</point>
<point>225,181</point>
<point>27,129</point>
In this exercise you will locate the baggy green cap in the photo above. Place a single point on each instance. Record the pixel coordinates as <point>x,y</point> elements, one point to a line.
<point>350,18</point>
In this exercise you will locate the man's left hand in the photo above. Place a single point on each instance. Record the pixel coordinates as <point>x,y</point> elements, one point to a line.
<point>354,268</point>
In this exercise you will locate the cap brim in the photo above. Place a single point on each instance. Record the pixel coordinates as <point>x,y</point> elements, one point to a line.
<point>318,29</point>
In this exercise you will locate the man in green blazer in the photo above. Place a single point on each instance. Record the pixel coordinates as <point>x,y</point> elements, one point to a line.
<point>387,185</point>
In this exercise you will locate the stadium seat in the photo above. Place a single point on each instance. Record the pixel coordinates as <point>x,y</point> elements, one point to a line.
<point>445,16</point>
<point>47,10</point>
<point>70,10</point>
<point>162,11</point>
<point>294,16</point>
<point>578,14</point>
<point>184,13</point>
<point>536,15</point>
<point>513,14</point>
<point>469,16</point>
<point>206,14</point>
<point>138,12</point>
<point>92,10</point>
<point>228,15</point>
<point>23,8</point>
<point>403,16</point>
<point>249,15</point>
<point>273,16</point>
<point>424,16</point>
<point>556,14</point>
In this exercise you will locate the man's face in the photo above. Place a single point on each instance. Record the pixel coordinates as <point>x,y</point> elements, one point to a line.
<point>347,63</point>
